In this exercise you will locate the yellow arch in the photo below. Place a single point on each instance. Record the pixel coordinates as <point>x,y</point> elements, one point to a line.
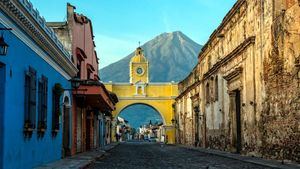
<point>160,96</point>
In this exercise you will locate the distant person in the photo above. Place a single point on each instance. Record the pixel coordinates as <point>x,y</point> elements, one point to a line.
<point>117,137</point>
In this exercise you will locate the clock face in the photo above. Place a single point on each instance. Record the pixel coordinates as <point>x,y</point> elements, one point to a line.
<point>139,71</point>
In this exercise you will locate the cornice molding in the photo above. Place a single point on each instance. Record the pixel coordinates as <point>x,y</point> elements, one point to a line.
<point>21,12</point>
<point>226,59</point>
<point>234,10</point>
<point>237,72</point>
<point>188,89</point>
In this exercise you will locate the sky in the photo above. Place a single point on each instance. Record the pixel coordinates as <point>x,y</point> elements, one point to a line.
<point>120,24</point>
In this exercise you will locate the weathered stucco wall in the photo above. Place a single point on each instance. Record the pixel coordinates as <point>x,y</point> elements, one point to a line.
<point>249,83</point>
<point>279,124</point>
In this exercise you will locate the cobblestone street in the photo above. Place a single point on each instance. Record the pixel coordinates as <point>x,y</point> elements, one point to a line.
<point>149,155</point>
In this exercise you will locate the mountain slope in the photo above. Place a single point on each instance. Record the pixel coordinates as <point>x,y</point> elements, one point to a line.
<point>171,57</point>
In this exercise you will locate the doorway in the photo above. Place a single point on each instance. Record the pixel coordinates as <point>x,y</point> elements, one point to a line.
<point>88,130</point>
<point>66,128</point>
<point>196,125</point>
<point>238,121</point>
<point>101,133</point>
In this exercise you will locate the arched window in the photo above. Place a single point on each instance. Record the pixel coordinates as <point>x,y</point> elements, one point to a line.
<point>216,88</point>
<point>207,96</point>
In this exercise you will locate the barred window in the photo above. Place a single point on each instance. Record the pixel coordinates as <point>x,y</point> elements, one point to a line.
<point>209,62</point>
<point>30,99</point>
<point>42,106</point>
<point>207,93</point>
<point>56,93</point>
<point>216,88</point>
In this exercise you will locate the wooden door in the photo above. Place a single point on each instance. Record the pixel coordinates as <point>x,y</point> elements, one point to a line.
<point>66,131</point>
<point>238,121</point>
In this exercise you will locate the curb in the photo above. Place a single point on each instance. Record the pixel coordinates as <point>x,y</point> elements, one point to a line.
<point>98,157</point>
<point>247,159</point>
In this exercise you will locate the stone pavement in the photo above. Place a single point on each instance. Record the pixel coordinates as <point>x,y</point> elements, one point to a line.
<point>142,155</point>
<point>247,159</point>
<point>78,161</point>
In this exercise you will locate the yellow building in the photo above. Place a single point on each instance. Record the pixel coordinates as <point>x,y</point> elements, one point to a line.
<point>139,90</point>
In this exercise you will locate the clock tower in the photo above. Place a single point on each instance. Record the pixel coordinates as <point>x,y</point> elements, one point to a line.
<point>139,68</point>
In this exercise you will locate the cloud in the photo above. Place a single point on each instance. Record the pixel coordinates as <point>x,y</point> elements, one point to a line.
<point>111,49</point>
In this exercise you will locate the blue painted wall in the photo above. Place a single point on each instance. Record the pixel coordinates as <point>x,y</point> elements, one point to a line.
<point>18,152</point>
<point>2,85</point>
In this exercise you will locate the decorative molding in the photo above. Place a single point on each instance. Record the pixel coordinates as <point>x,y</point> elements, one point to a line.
<point>188,89</point>
<point>226,20</point>
<point>243,46</point>
<point>235,73</point>
<point>22,13</point>
<point>42,22</point>
<point>234,81</point>
<point>195,97</point>
<point>27,41</point>
<point>249,41</point>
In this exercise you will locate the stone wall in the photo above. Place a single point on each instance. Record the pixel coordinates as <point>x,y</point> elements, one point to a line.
<point>185,116</point>
<point>279,124</point>
<point>249,82</point>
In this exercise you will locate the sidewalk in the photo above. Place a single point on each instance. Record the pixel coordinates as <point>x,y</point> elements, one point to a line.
<point>247,159</point>
<point>78,161</point>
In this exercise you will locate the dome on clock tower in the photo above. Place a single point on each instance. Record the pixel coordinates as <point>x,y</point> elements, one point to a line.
<point>139,56</point>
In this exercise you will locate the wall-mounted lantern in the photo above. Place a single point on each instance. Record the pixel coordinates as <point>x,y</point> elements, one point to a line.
<point>3,44</point>
<point>75,82</point>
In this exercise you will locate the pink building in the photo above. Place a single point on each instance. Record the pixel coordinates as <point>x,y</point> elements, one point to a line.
<point>92,103</point>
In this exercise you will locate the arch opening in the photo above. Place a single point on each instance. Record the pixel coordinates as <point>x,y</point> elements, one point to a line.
<point>139,121</point>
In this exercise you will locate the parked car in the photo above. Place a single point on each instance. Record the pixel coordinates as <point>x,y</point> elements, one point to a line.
<point>152,139</point>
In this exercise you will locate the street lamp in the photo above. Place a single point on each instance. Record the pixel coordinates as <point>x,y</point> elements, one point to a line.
<point>3,44</point>
<point>75,83</point>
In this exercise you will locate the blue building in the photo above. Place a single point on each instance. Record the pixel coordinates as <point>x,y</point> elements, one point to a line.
<point>34,76</point>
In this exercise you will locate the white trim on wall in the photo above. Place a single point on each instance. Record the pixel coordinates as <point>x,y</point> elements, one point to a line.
<point>26,40</point>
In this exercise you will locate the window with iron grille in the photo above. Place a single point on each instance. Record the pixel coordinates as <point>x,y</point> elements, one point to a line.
<point>216,89</point>
<point>30,101</point>
<point>42,106</point>
<point>56,93</point>
<point>207,93</point>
